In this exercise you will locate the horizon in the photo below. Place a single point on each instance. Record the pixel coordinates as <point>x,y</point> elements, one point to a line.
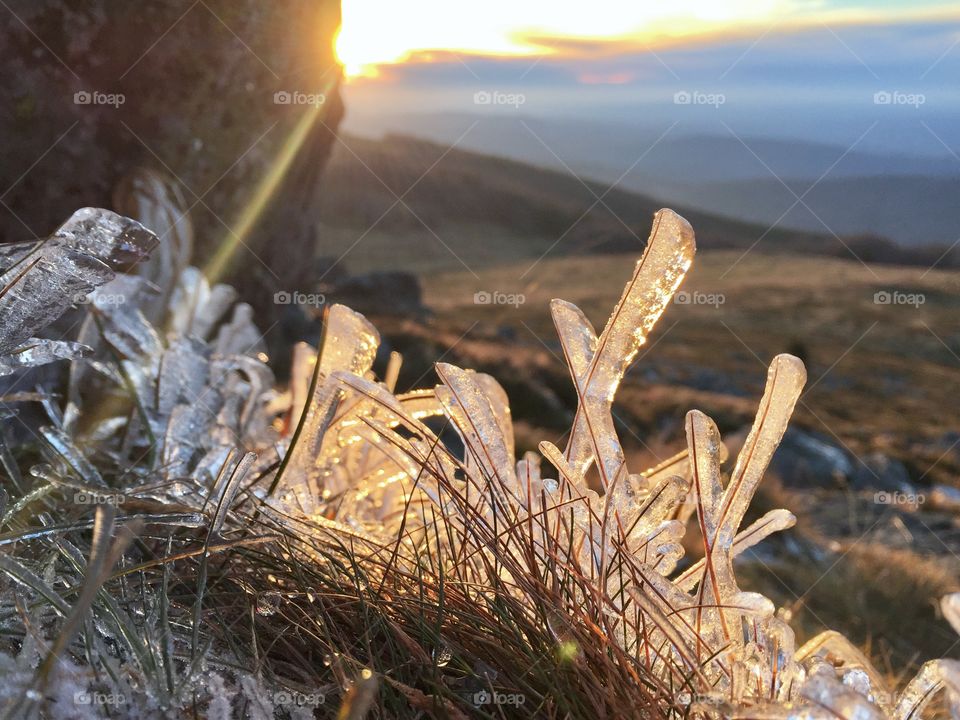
<point>788,97</point>
<point>797,77</point>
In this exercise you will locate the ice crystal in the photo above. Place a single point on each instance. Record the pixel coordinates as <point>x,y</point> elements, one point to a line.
<point>172,384</point>
<point>42,279</point>
<point>351,468</point>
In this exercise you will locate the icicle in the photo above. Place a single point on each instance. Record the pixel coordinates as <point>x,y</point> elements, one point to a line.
<point>657,275</point>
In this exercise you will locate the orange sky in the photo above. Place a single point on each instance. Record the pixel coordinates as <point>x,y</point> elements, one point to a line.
<point>378,32</point>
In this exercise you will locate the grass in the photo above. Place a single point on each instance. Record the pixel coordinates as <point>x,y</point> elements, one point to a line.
<point>475,590</point>
<point>376,630</point>
<point>878,372</point>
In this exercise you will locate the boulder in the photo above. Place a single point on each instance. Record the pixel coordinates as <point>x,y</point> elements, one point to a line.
<point>211,94</point>
<point>877,471</point>
<point>380,293</point>
<point>806,459</point>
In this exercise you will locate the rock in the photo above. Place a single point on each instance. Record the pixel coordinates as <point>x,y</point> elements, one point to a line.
<point>877,471</point>
<point>381,293</point>
<point>807,459</point>
<point>199,91</point>
<point>506,333</point>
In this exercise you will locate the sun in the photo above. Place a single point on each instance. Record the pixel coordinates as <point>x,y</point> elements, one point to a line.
<point>358,55</point>
<point>377,32</point>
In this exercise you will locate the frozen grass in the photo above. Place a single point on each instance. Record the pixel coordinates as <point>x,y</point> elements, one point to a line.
<point>182,539</point>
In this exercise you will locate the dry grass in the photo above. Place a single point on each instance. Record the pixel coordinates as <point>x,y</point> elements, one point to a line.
<point>878,373</point>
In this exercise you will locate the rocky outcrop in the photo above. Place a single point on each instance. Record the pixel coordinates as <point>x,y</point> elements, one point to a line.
<point>381,293</point>
<point>217,95</point>
<point>807,459</point>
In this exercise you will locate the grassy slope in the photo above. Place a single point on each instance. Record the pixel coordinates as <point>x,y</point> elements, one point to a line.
<point>879,374</point>
<point>461,209</point>
<point>875,370</point>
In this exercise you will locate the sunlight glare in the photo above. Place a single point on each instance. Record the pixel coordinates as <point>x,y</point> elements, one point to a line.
<point>379,32</point>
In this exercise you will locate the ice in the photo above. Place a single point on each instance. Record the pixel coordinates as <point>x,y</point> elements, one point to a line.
<point>71,456</point>
<point>40,352</point>
<point>598,365</point>
<point>239,336</point>
<point>349,343</point>
<point>171,384</point>
<point>226,491</point>
<point>482,423</point>
<point>54,274</point>
<point>196,307</point>
<point>785,380</point>
<point>116,240</point>
<point>349,346</point>
<point>158,204</point>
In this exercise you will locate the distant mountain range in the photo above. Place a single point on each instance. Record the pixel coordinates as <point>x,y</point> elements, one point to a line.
<point>910,200</point>
<point>913,210</point>
<point>403,201</point>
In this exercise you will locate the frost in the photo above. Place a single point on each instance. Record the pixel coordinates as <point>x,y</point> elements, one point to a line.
<point>169,401</point>
<point>597,364</point>
<point>41,280</point>
<point>40,352</point>
<point>697,622</point>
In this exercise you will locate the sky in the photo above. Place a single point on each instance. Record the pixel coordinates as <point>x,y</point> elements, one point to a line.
<point>382,32</point>
<point>680,98</point>
<point>783,68</point>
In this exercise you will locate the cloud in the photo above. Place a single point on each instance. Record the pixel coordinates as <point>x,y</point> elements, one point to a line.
<point>818,56</point>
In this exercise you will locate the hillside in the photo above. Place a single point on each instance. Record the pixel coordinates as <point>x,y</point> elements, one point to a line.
<point>871,422</point>
<point>909,199</point>
<point>461,209</point>
<point>404,203</point>
<point>910,209</point>
<point>883,367</point>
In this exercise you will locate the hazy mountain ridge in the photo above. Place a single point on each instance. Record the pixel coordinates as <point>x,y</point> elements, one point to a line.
<point>678,154</point>
<point>910,209</point>
<point>489,210</point>
<point>909,199</point>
